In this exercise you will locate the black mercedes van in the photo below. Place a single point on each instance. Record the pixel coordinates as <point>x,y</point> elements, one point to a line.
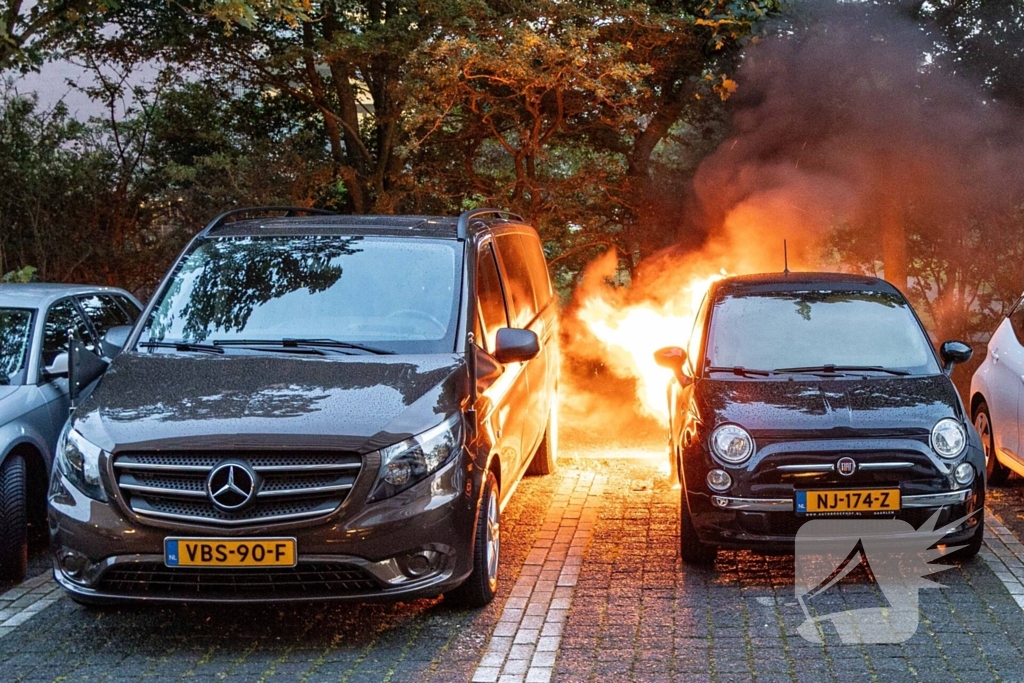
<point>807,395</point>
<point>315,407</point>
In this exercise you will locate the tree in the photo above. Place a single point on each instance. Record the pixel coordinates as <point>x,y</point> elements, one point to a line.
<point>577,114</point>
<point>31,30</point>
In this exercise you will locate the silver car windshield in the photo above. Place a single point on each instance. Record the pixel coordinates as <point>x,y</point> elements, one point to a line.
<point>15,340</point>
<point>395,295</point>
<point>780,330</point>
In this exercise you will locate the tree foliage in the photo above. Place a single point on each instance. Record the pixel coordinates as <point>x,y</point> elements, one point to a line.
<point>31,29</point>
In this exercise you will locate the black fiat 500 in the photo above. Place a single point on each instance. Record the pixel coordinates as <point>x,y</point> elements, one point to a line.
<point>808,395</point>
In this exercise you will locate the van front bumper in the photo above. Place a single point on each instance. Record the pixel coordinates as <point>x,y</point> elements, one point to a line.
<point>418,543</point>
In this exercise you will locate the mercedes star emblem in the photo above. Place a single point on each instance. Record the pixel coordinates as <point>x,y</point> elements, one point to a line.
<point>231,485</point>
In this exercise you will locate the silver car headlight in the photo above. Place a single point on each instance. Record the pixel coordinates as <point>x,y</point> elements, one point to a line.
<point>413,460</point>
<point>732,444</point>
<point>78,459</point>
<point>949,437</point>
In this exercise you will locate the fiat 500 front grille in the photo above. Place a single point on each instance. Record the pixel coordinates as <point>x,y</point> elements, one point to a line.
<point>292,486</point>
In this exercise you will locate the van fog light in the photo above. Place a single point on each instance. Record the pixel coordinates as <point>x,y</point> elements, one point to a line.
<point>73,563</point>
<point>420,563</point>
<point>964,473</point>
<point>719,480</point>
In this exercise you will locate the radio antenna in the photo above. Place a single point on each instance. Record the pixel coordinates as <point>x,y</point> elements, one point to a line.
<point>785,258</point>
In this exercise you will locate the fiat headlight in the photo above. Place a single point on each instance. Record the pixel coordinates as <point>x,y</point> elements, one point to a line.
<point>79,461</point>
<point>948,438</point>
<point>413,460</point>
<point>732,444</point>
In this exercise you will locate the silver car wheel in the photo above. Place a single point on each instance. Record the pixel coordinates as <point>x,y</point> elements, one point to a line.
<point>981,423</point>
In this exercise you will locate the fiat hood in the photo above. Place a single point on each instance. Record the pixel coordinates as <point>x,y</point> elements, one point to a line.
<point>356,403</point>
<point>896,406</point>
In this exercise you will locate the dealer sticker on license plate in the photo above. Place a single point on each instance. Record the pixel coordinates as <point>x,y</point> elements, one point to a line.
<point>229,552</point>
<point>849,501</point>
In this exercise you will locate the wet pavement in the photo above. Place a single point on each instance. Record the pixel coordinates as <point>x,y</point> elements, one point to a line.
<point>592,590</point>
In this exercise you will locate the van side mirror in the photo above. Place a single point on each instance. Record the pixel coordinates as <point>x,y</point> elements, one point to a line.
<point>84,367</point>
<point>516,346</point>
<point>954,352</point>
<point>673,358</point>
<point>113,341</point>
<point>58,368</point>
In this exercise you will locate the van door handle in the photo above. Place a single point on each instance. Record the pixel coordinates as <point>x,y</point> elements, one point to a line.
<point>995,357</point>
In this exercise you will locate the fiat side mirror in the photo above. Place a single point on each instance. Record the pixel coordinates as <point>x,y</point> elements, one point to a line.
<point>516,346</point>
<point>673,358</point>
<point>954,352</point>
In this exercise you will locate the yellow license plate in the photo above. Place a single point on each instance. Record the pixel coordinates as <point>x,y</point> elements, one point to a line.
<point>847,500</point>
<point>229,552</point>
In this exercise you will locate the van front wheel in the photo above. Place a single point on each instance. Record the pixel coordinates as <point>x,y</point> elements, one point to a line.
<point>479,589</point>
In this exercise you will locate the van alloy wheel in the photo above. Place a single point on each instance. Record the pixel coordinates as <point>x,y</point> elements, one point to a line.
<point>493,540</point>
<point>479,588</point>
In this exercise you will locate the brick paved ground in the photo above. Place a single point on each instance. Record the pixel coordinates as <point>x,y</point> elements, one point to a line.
<point>639,615</point>
<point>634,614</point>
<point>418,641</point>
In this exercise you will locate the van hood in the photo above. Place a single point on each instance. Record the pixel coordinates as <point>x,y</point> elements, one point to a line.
<point>888,406</point>
<point>355,403</point>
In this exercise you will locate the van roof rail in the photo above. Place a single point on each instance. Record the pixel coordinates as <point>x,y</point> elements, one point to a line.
<point>467,216</point>
<point>289,211</point>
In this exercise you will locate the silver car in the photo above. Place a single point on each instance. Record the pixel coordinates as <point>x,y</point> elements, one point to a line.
<point>997,398</point>
<point>34,403</point>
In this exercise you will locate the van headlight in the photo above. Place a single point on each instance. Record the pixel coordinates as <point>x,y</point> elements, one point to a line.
<point>732,444</point>
<point>78,459</point>
<point>413,460</point>
<point>948,437</point>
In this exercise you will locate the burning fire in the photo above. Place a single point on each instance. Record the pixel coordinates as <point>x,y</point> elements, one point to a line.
<point>630,333</point>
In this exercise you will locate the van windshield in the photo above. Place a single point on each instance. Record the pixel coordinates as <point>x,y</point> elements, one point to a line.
<point>397,295</point>
<point>785,330</point>
<point>15,338</point>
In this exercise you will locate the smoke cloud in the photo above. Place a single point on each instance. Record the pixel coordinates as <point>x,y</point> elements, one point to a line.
<point>851,139</point>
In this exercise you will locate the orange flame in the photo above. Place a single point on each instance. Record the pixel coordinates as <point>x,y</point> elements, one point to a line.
<point>633,333</point>
<point>629,332</point>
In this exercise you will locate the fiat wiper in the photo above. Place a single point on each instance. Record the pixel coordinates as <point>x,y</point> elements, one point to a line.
<point>832,369</point>
<point>181,346</point>
<point>308,345</point>
<point>740,371</point>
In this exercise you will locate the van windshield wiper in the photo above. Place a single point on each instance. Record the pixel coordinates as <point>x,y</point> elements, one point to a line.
<point>830,369</point>
<point>740,370</point>
<point>303,344</point>
<point>181,346</point>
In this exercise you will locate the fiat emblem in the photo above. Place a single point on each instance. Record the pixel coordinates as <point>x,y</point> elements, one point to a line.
<point>846,466</point>
<point>231,485</point>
